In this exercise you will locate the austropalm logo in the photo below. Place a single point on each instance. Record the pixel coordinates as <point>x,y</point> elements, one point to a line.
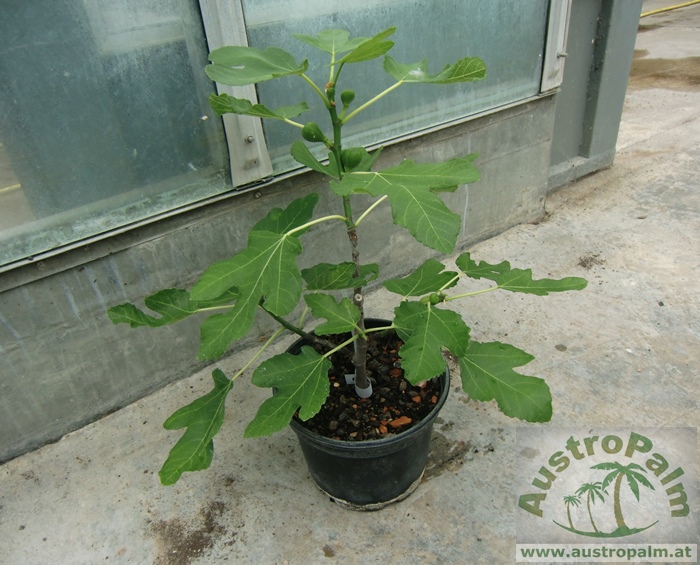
<point>607,486</point>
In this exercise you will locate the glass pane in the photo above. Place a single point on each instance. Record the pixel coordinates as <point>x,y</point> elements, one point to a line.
<point>508,35</point>
<point>103,118</point>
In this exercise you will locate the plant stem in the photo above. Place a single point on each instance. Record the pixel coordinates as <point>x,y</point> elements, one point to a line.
<point>367,104</point>
<point>360,357</point>
<point>372,207</point>
<point>314,222</point>
<point>474,293</point>
<point>292,328</point>
<point>317,90</point>
<point>293,123</point>
<point>258,353</point>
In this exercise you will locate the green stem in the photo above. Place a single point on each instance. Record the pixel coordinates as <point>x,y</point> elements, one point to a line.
<point>214,308</point>
<point>369,210</point>
<point>474,293</point>
<point>449,283</point>
<point>318,91</point>
<point>260,351</point>
<point>367,104</point>
<point>354,337</point>
<point>316,221</point>
<point>293,123</point>
<point>294,329</point>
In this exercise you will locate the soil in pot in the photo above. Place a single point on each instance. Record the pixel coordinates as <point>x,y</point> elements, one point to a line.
<point>394,407</point>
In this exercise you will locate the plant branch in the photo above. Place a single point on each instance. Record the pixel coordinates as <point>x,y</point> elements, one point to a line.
<point>318,91</point>
<point>316,221</point>
<point>293,123</point>
<point>473,293</point>
<point>367,104</point>
<point>294,329</point>
<point>449,283</point>
<point>258,353</point>
<point>369,210</point>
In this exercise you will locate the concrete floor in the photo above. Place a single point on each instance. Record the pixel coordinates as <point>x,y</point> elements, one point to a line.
<point>622,353</point>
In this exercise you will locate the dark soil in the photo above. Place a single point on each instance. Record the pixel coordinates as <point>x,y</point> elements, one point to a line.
<point>395,405</point>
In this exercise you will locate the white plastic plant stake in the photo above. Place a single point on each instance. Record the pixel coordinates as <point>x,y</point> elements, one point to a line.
<point>361,392</point>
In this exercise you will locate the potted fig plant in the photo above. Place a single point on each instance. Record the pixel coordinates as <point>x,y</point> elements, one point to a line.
<point>360,393</point>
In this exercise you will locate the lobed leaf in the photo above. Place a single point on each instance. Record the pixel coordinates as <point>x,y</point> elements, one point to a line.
<point>370,48</point>
<point>426,330</point>
<point>333,41</point>
<point>429,277</point>
<point>325,276</point>
<point>300,383</point>
<point>411,189</point>
<point>225,104</point>
<point>342,316</point>
<point>237,65</point>
<point>296,214</point>
<point>202,418</point>
<point>468,69</point>
<point>487,374</point>
<point>173,304</point>
<point>265,271</point>
<point>516,280</point>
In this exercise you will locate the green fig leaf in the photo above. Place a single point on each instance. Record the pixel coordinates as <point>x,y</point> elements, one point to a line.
<point>173,305</point>
<point>426,330</point>
<point>411,188</point>
<point>370,48</point>
<point>325,276</point>
<point>237,65</point>
<point>225,104</point>
<point>342,316</point>
<point>487,374</point>
<point>468,69</point>
<point>516,280</point>
<point>429,277</point>
<point>202,418</point>
<point>265,271</point>
<point>302,154</point>
<point>300,383</point>
<point>333,41</point>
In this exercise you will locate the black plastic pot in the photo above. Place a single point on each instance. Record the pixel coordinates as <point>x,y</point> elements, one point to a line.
<point>368,475</point>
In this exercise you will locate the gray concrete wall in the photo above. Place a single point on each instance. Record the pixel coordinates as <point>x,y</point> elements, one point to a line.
<point>63,363</point>
<point>589,107</point>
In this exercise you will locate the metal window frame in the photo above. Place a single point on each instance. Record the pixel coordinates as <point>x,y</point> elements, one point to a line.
<point>224,24</point>
<point>555,46</point>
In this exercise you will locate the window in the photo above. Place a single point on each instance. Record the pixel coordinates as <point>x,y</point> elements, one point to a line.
<point>101,118</point>
<point>509,35</point>
<point>104,120</point>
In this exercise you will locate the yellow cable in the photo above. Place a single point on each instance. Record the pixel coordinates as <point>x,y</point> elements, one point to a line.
<point>660,10</point>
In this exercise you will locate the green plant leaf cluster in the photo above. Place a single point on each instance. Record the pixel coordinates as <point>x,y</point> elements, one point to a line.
<point>266,276</point>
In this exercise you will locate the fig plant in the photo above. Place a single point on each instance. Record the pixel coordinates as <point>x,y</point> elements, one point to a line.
<point>265,277</point>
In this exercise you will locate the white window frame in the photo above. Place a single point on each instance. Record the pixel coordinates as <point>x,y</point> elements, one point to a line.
<point>555,48</point>
<point>224,24</point>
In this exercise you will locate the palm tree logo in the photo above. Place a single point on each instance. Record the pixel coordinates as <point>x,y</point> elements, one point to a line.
<point>594,490</point>
<point>570,501</point>
<point>591,490</point>
<point>634,479</point>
